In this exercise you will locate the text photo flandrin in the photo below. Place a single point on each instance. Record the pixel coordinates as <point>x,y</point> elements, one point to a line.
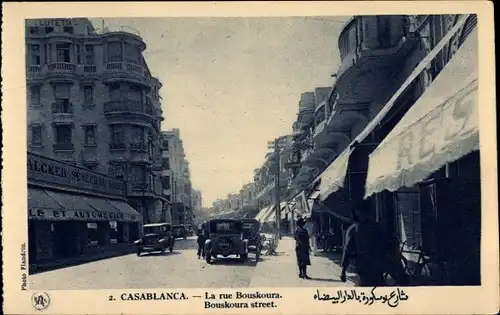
<point>375,181</point>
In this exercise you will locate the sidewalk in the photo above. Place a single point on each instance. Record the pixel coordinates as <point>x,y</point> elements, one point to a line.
<point>110,252</point>
<point>282,270</point>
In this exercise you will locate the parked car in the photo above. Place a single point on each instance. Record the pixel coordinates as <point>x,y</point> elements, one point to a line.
<point>225,238</point>
<point>155,237</point>
<point>179,231</point>
<point>251,231</point>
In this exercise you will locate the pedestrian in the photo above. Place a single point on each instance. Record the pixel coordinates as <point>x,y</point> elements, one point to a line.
<point>302,248</point>
<point>373,249</point>
<point>201,241</point>
<point>348,250</point>
<point>312,236</point>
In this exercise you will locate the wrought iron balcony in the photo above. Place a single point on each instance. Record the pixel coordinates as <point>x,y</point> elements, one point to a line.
<point>62,67</point>
<point>140,186</point>
<point>127,106</point>
<point>141,146</point>
<point>117,146</point>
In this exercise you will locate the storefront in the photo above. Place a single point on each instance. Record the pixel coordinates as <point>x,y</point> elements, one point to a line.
<point>73,211</point>
<point>429,165</point>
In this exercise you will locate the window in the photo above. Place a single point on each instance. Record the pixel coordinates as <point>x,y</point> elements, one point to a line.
<point>78,54</point>
<point>166,164</point>
<point>89,55</point>
<point>35,55</point>
<point>166,182</point>
<point>137,134</point>
<point>49,29</point>
<point>117,134</point>
<point>132,53</point>
<point>116,170</point>
<point>115,52</point>
<point>63,134</point>
<point>36,135</point>
<point>68,29</point>
<point>35,95</point>
<point>45,52</point>
<point>88,94</point>
<point>165,145</point>
<point>62,106</point>
<point>137,174</point>
<point>89,133</point>
<point>63,52</point>
<point>33,30</point>
<point>115,92</point>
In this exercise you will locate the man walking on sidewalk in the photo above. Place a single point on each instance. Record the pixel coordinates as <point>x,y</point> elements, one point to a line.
<point>302,248</point>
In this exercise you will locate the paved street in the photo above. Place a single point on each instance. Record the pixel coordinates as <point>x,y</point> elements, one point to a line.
<point>182,269</point>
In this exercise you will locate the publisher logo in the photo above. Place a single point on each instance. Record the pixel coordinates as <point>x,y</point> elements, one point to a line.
<point>40,300</point>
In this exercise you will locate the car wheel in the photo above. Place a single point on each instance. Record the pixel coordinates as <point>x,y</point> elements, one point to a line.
<point>208,258</point>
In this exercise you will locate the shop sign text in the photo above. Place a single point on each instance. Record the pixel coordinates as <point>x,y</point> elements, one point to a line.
<point>47,170</point>
<point>443,127</point>
<point>45,214</point>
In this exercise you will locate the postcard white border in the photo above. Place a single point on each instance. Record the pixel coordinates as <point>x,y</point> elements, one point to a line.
<point>434,300</point>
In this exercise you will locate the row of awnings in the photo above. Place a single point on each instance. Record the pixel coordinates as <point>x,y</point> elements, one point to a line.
<point>45,204</point>
<point>441,127</point>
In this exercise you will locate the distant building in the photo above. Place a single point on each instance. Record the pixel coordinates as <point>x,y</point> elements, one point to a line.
<point>176,177</point>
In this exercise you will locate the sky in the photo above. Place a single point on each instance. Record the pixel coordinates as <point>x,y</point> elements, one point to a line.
<point>233,84</point>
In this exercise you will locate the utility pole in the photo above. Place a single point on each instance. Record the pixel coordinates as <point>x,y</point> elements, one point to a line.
<point>277,187</point>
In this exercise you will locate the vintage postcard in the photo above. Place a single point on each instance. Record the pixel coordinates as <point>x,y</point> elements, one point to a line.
<point>249,158</point>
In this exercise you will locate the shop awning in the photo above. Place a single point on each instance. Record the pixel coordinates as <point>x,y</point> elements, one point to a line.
<point>130,214</point>
<point>271,215</point>
<point>263,212</point>
<point>70,207</point>
<point>441,127</point>
<point>333,177</point>
<point>41,205</point>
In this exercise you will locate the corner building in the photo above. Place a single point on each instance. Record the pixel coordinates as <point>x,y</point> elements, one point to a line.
<point>92,102</point>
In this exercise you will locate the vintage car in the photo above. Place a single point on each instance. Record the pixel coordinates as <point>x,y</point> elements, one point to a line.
<point>225,238</point>
<point>251,231</point>
<point>179,231</point>
<point>155,237</point>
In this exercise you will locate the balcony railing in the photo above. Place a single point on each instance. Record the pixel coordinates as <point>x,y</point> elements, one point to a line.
<point>62,67</point>
<point>62,108</point>
<point>34,69</point>
<point>64,146</point>
<point>89,68</point>
<point>140,186</point>
<point>126,105</point>
<point>117,146</point>
<point>141,146</point>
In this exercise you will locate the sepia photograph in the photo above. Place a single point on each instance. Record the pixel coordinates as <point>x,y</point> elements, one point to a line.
<point>244,152</point>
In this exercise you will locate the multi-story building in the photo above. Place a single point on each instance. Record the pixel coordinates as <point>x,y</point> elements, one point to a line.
<point>389,89</point>
<point>176,176</point>
<point>196,200</point>
<point>93,102</point>
<point>247,195</point>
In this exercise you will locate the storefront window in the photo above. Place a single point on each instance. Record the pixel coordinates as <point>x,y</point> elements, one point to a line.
<point>113,236</point>
<point>93,236</point>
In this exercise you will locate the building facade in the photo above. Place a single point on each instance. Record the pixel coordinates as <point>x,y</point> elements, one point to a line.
<point>176,177</point>
<point>74,211</point>
<point>92,102</point>
<point>371,99</point>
